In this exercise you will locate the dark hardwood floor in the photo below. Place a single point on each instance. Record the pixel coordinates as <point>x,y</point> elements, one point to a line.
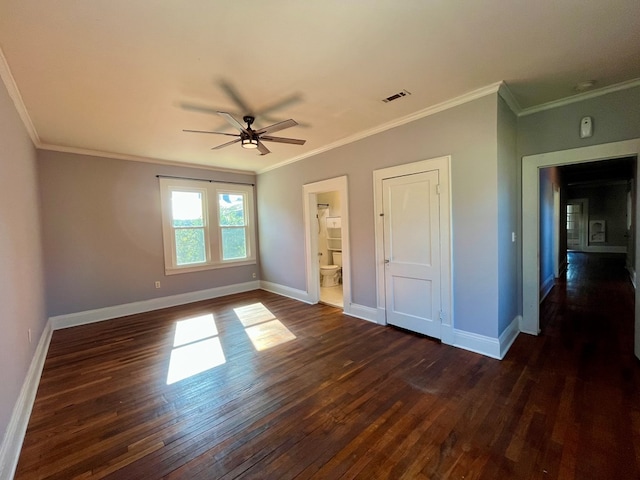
<point>328,396</point>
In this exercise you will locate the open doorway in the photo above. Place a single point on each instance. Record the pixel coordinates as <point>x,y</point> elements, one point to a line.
<point>327,242</point>
<point>329,218</point>
<point>531,229</point>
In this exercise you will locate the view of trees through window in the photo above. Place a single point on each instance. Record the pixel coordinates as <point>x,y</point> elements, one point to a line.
<point>232,226</point>
<point>189,226</point>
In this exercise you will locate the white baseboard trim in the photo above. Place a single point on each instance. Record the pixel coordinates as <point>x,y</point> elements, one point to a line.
<point>509,335</point>
<point>632,275</point>
<point>605,249</point>
<point>362,312</point>
<point>477,343</point>
<point>285,291</point>
<point>547,285</point>
<point>482,344</point>
<point>448,335</point>
<point>116,311</point>
<point>17,427</point>
<point>489,346</point>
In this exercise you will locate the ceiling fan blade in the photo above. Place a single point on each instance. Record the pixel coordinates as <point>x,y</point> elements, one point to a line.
<point>232,121</point>
<point>226,144</point>
<point>293,141</point>
<point>262,148</point>
<point>235,96</point>
<point>276,127</point>
<point>217,133</point>
<point>199,108</point>
<point>285,102</point>
<point>269,119</point>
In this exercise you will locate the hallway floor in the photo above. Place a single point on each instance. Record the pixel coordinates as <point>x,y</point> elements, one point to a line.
<point>588,365</point>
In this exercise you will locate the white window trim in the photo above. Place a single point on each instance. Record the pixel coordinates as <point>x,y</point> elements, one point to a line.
<point>212,227</point>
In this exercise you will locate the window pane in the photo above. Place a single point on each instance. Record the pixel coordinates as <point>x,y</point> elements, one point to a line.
<point>234,244</point>
<point>186,209</point>
<point>190,246</point>
<point>231,210</point>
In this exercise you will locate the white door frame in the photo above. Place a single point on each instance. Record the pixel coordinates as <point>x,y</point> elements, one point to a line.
<point>531,164</point>
<point>584,220</point>
<point>442,164</point>
<point>310,203</point>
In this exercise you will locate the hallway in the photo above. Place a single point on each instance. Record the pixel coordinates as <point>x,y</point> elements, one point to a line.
<point>590,311</point>
<point>588,366</point>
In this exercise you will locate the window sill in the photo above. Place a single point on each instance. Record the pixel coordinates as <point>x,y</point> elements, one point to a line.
<point>210,266</point>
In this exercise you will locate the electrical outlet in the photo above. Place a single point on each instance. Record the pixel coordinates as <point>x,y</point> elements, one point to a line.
<point>157,284</point>
<point>254,275</point>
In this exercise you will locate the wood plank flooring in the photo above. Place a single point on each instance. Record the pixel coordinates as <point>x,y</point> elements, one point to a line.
<point>345,398</point>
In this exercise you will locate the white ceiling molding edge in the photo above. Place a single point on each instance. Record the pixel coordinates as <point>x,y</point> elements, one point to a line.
<point>580,97</point>
<point>454,102</point>
<point>134,158</point>
<point>14,94</point>
<point>509,98</point>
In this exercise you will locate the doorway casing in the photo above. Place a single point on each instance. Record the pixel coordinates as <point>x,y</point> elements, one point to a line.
<point>531,165</point>
<point>310,193</point>
<point>442,164</point>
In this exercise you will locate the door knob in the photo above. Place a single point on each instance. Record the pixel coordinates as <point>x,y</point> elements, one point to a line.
<point>386,260</point>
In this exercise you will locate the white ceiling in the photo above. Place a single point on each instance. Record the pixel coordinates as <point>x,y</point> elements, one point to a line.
<point>112,76</point>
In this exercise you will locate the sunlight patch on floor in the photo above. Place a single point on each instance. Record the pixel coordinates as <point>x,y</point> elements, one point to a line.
<point>197,348</point>
<point>253,314</point>
<point>194,329</point>
<point>262,327</point>
<point>269,334</point>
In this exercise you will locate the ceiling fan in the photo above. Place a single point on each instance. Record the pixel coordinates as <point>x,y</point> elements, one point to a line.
<point>261,115</point>
<point>250,138</point>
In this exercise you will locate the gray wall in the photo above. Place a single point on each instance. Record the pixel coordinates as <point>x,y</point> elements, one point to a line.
<point>21,274</point>
<point>508,201</point>
<point>468,133</point>
<point>548,178</point>
<point>102,233</point>
<point>616,117</point>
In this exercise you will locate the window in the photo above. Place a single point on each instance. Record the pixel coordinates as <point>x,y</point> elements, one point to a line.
<point>206,225</point>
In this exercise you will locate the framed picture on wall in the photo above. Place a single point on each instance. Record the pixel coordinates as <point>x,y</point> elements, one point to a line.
<point>597,229</point>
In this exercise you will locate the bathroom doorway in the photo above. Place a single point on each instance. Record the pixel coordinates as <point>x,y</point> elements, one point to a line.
<point>327,242</point>
<point>330,247</point>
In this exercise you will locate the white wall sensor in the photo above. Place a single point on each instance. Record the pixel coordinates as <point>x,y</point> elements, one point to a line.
<point>586,127</point>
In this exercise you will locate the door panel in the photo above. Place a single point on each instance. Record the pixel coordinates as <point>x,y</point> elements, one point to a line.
<point>576,224</point>
<point>412,252</point>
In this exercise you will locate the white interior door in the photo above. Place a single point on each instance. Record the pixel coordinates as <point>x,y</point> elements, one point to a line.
<point>577,224</point>
<point>412,252</point>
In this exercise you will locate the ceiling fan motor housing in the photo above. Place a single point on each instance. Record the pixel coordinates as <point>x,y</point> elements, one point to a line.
<point>248,119</point>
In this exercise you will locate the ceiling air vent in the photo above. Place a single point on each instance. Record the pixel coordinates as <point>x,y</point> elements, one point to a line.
<point>396,96</point>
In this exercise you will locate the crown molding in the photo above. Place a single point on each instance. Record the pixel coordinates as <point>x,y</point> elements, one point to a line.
<point>580,97</point>
<point>454,102</point>
<point>135,158</point>
<point>509,98</point>
<point>14,93</point>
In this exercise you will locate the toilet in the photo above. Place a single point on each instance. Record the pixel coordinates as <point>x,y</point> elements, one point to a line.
<point>330,274</point>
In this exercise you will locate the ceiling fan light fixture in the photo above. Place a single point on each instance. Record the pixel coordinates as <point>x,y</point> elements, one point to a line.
<point>249,143</point>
